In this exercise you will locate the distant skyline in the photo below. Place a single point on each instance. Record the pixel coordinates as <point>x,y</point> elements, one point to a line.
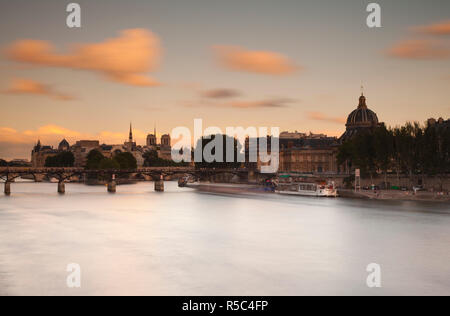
<point>298,65</point>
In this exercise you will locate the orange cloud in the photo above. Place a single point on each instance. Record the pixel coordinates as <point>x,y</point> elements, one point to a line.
<point>125,59</point>
<point>420,49</point>
<point>53,134</point>
<point>27,86</point>
<point>440,28</point>
<point>262,62</point>
<point>319,116</point>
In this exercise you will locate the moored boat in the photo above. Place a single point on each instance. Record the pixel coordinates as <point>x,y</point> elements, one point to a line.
<point>322,189</point>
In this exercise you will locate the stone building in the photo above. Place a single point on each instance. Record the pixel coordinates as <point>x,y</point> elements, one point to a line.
<point>309,154</point>
<point>302,153</point>
<point>317,153</point>
<point>81,150</point>
<point>151,141</point>
<point>40,153</point>
<point>164,148</point>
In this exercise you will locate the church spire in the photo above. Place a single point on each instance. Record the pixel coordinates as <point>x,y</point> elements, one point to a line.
<point>130,138</point>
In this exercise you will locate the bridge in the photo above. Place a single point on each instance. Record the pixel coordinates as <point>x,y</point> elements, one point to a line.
<point>157,174</point>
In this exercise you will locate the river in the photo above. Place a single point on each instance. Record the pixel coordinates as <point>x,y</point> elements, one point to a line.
<point>181,242</point>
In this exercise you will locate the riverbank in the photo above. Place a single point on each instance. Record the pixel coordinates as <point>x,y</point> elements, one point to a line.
<point>395,195</point>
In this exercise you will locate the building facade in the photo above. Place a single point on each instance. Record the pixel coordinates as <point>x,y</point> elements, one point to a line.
<point>82,148</point>
<point>309,154</point>
<point>40,153</point>
<point>317,153</point>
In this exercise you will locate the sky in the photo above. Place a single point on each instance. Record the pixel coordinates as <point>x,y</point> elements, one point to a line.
<point>293,64</point>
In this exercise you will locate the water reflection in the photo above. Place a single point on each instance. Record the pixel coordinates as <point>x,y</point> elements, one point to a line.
<point>184,243</point>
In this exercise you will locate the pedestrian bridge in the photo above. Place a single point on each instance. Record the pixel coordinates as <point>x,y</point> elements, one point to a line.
<point>157,174</point>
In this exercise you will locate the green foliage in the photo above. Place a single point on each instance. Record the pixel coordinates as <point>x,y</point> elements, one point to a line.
<point>64,159</point>
<point>126,161</point>
<point>151,159</point>
<point>94,159</point>
<point>409,149</point>
<point>109,164</point>
<point>3,163</point>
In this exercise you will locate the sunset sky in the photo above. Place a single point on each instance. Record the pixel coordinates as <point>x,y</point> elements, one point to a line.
<point>293,64</point>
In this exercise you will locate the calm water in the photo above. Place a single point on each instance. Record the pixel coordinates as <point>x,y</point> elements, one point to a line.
<point>185,243</point>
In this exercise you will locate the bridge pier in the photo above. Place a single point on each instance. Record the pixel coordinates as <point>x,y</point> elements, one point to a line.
<point>159,184</point>
<point>252,177</point>
<point>112,186</point>
<point>7,188</point>
<point>61,187</point>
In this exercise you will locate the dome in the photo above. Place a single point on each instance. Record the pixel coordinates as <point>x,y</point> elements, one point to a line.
<point>359,120</point>
<point>362,116</point>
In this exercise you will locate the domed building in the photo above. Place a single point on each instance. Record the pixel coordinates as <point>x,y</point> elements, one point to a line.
<point>360,119</point>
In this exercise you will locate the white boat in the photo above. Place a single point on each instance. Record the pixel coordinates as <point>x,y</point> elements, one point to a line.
<point>307,189</point>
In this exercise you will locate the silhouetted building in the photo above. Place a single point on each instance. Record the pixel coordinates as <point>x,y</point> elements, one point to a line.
<point>64,145</point>
<point>40,153</point>
<point>361,119</point>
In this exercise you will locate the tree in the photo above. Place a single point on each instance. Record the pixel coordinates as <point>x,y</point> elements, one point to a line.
<point>109,164</point>
<point>384,148</point>
<point>410,149</point>
<point>3,163</point>
<point>126,161</point>
<point>151,159</point>
<point>364,153</point>
<point>94,159</point>
<point>204,142</point>
<point>64,159</point>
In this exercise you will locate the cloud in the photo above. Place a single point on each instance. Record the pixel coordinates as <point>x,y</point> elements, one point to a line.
<point>125,59</point>
<point>270,103</point>
<point>420,50</point>
<point>27,87</point>
<point>262,62</point>
<point>18,144</point>
<point>221,93</point>
<point>267,103</point>
<point>319,116</point>
<point>439,28</point>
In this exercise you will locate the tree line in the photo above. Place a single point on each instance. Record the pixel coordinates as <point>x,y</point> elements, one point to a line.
<point>97,161</point>
<point>412,149</point>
